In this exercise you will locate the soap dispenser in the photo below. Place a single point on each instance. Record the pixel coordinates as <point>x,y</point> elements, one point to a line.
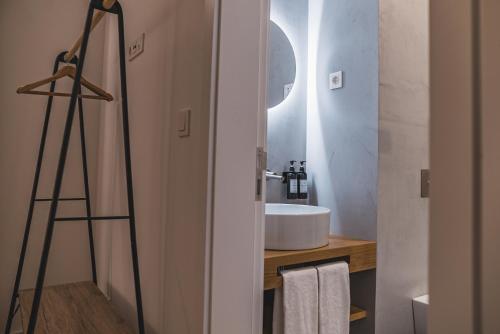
<point>292,191</point>
<point>302,181</point>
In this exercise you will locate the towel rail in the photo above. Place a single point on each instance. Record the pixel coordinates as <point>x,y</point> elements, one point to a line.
<point>316,263</point>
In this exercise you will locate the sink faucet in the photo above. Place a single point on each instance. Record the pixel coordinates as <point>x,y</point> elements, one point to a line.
<point>270,175</point>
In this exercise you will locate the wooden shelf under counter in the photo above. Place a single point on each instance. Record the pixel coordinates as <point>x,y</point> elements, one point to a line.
<point>356,314</point>
<point>359,254</point>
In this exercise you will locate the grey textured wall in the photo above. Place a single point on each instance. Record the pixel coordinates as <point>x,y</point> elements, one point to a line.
<point>342,133</point>
<point>286,135</point>
<point>403,220</point>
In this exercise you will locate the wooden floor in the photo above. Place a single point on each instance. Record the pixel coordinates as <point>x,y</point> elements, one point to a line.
<point>76,308</point>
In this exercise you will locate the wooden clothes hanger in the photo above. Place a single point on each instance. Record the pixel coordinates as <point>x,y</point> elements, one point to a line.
<point>66,71</point>
<point>69,71</point>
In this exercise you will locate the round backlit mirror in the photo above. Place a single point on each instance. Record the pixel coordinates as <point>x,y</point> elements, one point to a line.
<point>282,66</point>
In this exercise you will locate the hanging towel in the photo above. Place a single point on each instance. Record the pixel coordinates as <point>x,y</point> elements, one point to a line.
<point>296,305</point>
<point>278,312</point>
<point>334,298</point>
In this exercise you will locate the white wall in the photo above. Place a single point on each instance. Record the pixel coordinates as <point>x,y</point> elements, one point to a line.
<point>35,32</point>
<point>342,136</point>
<point>342,125</point>
<point>187,232</point>
<point>149,91</point>
<point>402,227</point>
<point>170,173</point>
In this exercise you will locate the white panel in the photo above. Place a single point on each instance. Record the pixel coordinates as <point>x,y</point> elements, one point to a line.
<point>237,265</point>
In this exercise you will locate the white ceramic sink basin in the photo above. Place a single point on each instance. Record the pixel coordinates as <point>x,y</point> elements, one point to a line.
<point>295,227</point>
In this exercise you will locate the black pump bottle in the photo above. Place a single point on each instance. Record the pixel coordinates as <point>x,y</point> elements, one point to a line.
<point>302,181</point>
<point>292,189</point>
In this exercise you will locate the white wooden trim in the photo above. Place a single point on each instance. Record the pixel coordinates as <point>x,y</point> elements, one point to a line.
<point>207,317</point>
<point>106,199</point>
<point>258,302</point>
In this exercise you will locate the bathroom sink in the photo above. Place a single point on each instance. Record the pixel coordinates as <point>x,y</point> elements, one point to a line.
<point>296,227</point>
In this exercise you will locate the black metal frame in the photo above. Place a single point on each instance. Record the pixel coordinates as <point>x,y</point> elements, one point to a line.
<point>117,10</point>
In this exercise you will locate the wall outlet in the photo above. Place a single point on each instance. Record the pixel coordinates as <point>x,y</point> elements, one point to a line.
<point>136,48</point>
<point>287,89</point>
<point>336,80</point>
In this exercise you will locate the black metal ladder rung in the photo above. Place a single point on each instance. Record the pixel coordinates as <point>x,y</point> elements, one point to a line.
<point>61,199</point>
<point>62,219</point>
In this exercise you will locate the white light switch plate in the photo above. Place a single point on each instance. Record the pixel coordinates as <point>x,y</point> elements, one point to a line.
<point>136,47</point>
<point>336,80</point>
<point>183,122</point>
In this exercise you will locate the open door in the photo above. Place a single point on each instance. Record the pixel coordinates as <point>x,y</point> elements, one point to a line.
<point>238,202</point>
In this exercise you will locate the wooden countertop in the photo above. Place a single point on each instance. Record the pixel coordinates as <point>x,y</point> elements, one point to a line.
<point>76,308</point>
<point>359,254</point>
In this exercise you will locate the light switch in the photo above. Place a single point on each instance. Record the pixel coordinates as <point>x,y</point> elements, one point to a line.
<point>183,122</point>
<point>336,80</point>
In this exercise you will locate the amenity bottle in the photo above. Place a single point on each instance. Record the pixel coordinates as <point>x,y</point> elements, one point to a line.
<point>292,189</point>
<point>302,181</point>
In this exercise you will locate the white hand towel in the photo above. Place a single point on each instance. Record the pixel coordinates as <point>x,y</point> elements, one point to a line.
<point>278,326</point>
<point>299,298</point>
<point>334,298</point>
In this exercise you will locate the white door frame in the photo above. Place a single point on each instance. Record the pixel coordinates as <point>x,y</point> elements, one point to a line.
<point>237,235</point>
<point>465,164</point>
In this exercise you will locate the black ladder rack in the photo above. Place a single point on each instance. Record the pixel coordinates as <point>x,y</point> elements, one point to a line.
<point>55,199</point>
